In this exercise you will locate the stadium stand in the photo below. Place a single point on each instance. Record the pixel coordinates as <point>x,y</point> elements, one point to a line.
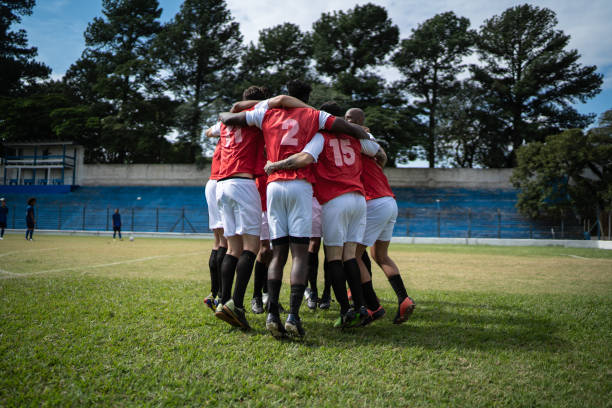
<point>423,212</point>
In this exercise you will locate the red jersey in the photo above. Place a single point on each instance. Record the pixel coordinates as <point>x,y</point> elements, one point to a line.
<point>216,161</point>
<point>374,180</point>
<point>242,150</point>
<point>338,169</point>
<point>262,185</point>
<point>286,132</point>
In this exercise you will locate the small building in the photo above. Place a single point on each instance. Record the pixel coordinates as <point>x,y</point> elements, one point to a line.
<point>39,164</point>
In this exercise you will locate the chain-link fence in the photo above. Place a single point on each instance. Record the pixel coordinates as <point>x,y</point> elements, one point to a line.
<point>411,222</point>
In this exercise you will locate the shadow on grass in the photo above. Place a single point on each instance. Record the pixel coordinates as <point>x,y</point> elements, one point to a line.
<point>434,326</point>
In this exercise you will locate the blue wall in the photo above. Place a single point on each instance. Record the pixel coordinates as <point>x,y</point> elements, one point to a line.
<point>458,213</point>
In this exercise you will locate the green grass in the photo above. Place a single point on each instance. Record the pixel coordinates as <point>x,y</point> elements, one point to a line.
<point>84,321</point>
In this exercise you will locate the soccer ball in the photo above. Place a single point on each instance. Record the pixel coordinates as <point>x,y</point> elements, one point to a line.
<point>131,238</point>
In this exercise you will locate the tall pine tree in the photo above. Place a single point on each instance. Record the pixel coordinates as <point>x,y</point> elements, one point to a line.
<point>530,79</point>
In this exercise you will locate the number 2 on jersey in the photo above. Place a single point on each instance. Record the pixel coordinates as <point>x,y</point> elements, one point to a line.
<point>343,152</point>
<point>289,138</point>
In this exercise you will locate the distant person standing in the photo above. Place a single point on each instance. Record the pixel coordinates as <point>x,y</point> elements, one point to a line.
<point>30,219</point>
<point>3,217</point>
<point>117,224</point>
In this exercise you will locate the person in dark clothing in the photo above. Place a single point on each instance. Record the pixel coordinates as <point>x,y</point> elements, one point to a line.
<point>117,224</point>
<point>3,217</point>
<point>30,219</point>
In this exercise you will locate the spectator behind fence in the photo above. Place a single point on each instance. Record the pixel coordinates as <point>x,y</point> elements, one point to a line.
<point>30,219</point>
<point>3,217</point>
<point>117,224</point>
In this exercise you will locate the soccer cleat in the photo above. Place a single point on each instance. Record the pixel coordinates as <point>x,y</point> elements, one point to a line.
<point>222,315</point>
<point>257,305</point>
<point>312,302</point>
<point>404,310</point>
<point>293,325</point>
<point>210,302</point>
<point>237,314</point>
<point>373,316</point>
<point>324,303</point>
<point>349,295</point>
<point>349,319</point>
<point>275,326</point>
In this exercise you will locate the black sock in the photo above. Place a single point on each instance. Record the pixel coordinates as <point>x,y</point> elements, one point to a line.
<point>295,301</point>
<point>259,282</point>
<point>274,286</point>
<point>353,277</point>
<point>327,281</point>
<point>338,282</point>
<point>244,267</point>
<point>219,259</point>
<point>214,276</point>
<point>313,266</point>
<point>370,296</point>
<point>398,286</point>
<point>228,267</point>
<point>366,260</point>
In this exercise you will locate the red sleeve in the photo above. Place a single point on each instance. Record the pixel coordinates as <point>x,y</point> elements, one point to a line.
<point>329,122</point>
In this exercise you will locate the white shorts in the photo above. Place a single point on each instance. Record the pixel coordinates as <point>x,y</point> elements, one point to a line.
<point>214,216</point>
<point>344,219</point>
<point>380,220</point>
<point>289,205</point>
<point>316,219</point>
<point>265,229</point>
<point>240,207</point>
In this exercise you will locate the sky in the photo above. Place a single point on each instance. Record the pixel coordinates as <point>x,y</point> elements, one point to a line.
<point>56,27</point>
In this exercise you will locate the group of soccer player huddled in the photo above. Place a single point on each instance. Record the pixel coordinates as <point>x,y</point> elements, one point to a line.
<point>284,175</point>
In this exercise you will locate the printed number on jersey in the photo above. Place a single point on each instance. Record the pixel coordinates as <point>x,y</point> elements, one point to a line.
<point>236,133</point>
<point>344,154</point>
<point>292,127</point>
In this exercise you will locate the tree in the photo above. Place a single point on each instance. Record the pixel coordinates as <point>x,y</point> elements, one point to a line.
<point>530,79</point>
<point>282,53</point>
<point>348,45</point>
<point>430,60</point>
<point>570,172</point>
<point>463,132</point>
<point>17,66</point>
<point>200,49</point>
<point>116,76</point>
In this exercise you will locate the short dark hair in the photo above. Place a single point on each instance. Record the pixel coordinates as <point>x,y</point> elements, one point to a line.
<point>299,89</point>
<point>257,93</point>
<point>31,200</point>
<point>332,108</point>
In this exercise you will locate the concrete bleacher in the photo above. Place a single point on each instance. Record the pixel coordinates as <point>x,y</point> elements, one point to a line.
<point>423,212</point>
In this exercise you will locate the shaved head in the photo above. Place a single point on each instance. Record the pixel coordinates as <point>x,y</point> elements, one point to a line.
<point>355,115</point>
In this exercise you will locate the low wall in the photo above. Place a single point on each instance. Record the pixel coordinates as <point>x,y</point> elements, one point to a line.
<point>190,175</point>
<point>142,175</point>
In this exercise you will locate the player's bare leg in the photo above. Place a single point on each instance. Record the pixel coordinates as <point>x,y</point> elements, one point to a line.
<point>313,265</point>
<point>380,254</point>
<point>260,280</point>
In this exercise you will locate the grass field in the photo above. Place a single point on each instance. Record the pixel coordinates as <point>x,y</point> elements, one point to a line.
<point>88,321</point>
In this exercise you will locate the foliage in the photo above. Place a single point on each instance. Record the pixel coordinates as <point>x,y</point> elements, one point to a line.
<point>530,79</point>
<point>569,173</point>
<point>347,46</point>
<point>281,54</point>
<point>18,69</point>
<point>430,60</point>
<point>199,49</point>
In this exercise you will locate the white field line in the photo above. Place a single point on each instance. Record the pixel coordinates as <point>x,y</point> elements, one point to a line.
<point>27,250</point>
<point>76,268</point>
<point>578,257</point>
